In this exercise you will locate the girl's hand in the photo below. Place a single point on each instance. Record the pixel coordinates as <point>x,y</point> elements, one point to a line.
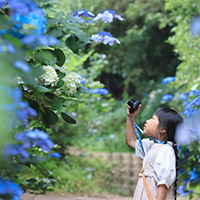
<point>133,115</point>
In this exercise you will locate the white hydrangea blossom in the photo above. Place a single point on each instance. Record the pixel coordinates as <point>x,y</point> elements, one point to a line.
<point>72,82</point>
<point>50,76</point>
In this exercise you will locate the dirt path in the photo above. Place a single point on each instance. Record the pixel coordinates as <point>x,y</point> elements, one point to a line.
<point>51,196</point>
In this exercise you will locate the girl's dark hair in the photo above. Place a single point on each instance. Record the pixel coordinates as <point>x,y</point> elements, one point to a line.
<point>169,119</point>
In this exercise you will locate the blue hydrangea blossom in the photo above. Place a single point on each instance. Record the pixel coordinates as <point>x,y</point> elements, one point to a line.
<point>104,37</point>
<point>167,80</point>
<point>107,16</point>
<point>11,150</point>
<point>11,188</point>
<point>80,14</point>
<point>29,23</point>
<point>167,97</point>
<point>22,66</point>
<point>102,91</point>
<point>34,138</point>
<point>55,155</point>
<point>195,26</point>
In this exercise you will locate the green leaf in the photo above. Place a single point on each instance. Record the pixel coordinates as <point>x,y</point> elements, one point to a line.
<point>79,33</point>
<point>52,100</point>
<point>31,180</point>
<point>49,116</point>
<point>83,90</point>
<point>74,43</point>
<point>60,57</point>
<point>45,56</point>
<point>43,89</point>
<point>67,118</point>
<point>60,83</point>
<point>60,74</point>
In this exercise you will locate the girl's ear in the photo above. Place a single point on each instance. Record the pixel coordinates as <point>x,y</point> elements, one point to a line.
<point>163,134</point>
<point>163,131</point>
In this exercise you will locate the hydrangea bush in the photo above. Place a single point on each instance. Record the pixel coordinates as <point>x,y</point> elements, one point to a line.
<point>185,93</point>
<point>36,83</point>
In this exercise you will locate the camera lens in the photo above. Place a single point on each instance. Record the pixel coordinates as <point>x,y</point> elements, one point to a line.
<point>133,105</point>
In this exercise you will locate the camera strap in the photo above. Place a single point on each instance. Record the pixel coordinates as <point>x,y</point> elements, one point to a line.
<point>138,130</point>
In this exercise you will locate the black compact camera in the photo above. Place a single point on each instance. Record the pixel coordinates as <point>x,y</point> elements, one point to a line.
<point>133,105</point>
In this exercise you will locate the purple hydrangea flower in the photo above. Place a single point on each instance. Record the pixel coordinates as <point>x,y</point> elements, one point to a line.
<point>104,37</point>
<point>167,80</point>
<point>107,16</point>
<point>167,97</point>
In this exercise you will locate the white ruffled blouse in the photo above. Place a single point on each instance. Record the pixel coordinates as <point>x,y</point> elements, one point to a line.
<point>159,165</point>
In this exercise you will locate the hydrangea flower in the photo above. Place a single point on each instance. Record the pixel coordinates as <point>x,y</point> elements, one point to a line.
<point>189,131</point>
<point>78,14</point>
<point>167,97</point>
<point>102,91</point>
<point>112,136</point>
<point>194,102</point>
<point>72,82</point>
<point>107,16</point>
<point>6,47</point>
<point>194,92</point>
<point>195,26</point>
<point>35,137</point>
<point>184,96</point>
<point>82,13</point>
<point>167,80</point>
<point>29,23</point>
<point>50,76</point>
<point>11,188</point>
<point>22,66</point>
<point>55,155</point>
<point>23,109</point>
<point>194,176</point>
<point>182,191</point>
<point>104,37</point>
<point>11,150</point>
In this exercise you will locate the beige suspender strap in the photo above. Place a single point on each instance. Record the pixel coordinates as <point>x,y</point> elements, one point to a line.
<point>145,185</point>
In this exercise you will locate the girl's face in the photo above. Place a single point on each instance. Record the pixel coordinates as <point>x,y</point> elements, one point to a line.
<point>151,127</point>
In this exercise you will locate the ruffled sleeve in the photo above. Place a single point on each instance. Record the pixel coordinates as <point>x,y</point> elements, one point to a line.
<point>147,144</point>
<point>165,166</point>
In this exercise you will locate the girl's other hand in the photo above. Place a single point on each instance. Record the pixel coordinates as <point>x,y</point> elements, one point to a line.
<point>133,115</point>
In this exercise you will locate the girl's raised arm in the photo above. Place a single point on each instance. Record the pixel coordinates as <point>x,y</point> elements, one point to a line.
<point>130,131</point>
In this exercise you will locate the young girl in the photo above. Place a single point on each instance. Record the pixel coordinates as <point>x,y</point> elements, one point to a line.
<point>160,170</point>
